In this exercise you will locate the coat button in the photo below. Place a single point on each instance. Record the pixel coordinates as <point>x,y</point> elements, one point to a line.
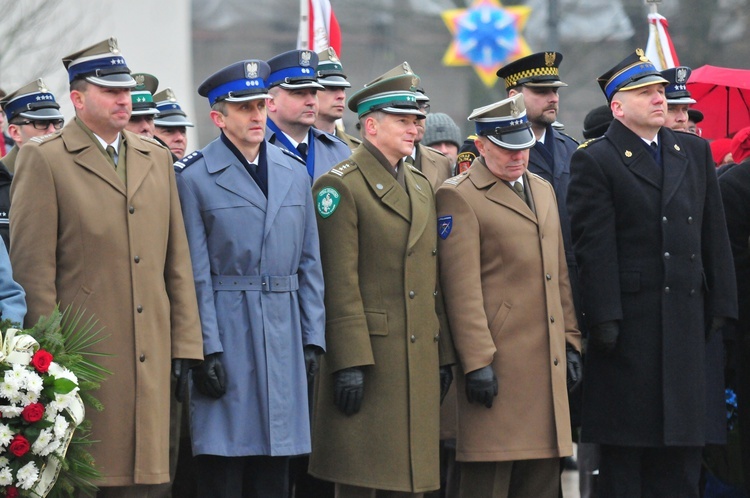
<point>411,294</point>
<point>413,338</point>
<point>552,319</point>
<point>436,338</point>
<point>664,219</point>
<point>142,357</point>
<point>667,255</point>
<point>549,277</point>
<point>692,257</point>
<point>692,292</point>
<point>131,209</point>
<point>434,252</point>
<point>139,309</point>
<point>666,290</point>
<point>137,259</point>
<point>555,362</point>
<point>434,293</point>
<point>690,220</point>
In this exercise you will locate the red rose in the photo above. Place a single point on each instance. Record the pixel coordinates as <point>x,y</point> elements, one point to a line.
<point>41,360</point>
<point>19,446</point>
<point>11,492</point>
<point>33,412</point>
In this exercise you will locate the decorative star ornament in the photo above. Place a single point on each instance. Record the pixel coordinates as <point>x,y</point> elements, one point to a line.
<point>486,36</point>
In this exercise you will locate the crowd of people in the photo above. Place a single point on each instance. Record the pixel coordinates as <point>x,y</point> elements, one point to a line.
<point>294,311</point>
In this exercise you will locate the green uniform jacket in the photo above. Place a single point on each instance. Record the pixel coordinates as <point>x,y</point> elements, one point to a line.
<point>379,253</point>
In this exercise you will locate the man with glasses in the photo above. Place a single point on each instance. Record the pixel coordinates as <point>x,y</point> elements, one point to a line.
<point>31,112</point>
<point>435,166</point>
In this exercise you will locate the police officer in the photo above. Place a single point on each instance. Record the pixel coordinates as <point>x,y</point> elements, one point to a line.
<point>254,245</point>
<point>678,97</point>
<point>171,122</point>
<point>376,415</point>
<point>655,268</point>
<point>144,108</point>
<point>331,98</point>
<point>31,112</point>
<point>293,108</point>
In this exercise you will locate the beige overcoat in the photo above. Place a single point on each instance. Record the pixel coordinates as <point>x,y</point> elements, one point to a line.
<point>379,253</point>
<point>82,239</point>
<point>434,165</point>
<point>508,301</point>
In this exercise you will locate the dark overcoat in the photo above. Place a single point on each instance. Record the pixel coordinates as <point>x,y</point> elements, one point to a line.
<point>654,255</point>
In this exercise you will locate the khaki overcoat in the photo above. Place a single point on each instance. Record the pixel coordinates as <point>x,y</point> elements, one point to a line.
<point>434,165</point>
<point>379,254</point>
<point>509,305</point>
<point>82,239</point>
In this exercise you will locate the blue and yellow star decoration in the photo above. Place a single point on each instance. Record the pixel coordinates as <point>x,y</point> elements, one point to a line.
<point>487,36</point>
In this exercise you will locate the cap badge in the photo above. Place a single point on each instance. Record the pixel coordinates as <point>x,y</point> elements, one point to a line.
<point>549,58</point>
<point>414,83</point>
<point>332,55</point>
<point>42,87</point>
<point>251,70</point>
<point>113,46</point>
<point>514,111</point>
<point>681,75</point>
<point>641,55</point>
<point>304,58</point>
<point>406,67</point>
<point>170,95</point>
<point>139,79</point>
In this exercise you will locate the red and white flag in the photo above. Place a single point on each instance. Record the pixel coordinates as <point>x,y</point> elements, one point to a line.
<point>659,48</point>
<point>318,27</point>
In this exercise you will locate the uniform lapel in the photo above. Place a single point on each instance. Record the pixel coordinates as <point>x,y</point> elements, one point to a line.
<point>280,177</point>
<point>139,162</point>
<point>420,205</point>
<point>498,191</point>
<point>631,150</point>
<point>675,163</point>
<point>89,156</point>
<point>541,202</point>
<point>383,184</point>
<point>427,165</point>
<point>233,176</point>
<point>536,159</point>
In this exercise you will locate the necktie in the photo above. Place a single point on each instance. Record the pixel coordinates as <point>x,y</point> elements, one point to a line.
<point>111,154</point>
<point>302,149</point>
<point>518,188</point>
<point>655,151</point>
<point>409,160</point>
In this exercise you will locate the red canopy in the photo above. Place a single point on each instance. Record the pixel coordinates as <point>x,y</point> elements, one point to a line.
<point>723,96</point>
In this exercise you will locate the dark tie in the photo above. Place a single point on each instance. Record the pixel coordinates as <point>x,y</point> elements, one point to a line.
<point>518,189</point>
<point>302,149</point>
<point>655,152</point>
<point>111,154</point>
<point>409,160</point>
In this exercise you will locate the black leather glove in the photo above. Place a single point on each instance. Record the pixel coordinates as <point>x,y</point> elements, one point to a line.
<point>180,369</point>
<point>446,377</point>
<point>575,368</point>
<point>349,390</point>
<point>209,376</point>
<point>603,337</point>
<point>311,360</point>
<point>481,386</point>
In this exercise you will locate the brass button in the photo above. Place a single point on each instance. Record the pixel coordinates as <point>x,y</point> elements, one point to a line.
<point>142,357</point>
<point>549,277</point>
<point>139,309</point>
<point>413,338</point>
<point>411,294</point>
<point>137,259</point>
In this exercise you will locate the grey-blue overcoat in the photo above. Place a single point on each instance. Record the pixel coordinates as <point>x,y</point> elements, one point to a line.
<point>238,241</point>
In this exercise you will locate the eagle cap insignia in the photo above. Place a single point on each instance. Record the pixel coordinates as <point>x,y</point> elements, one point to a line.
<point>641,55</point>
<point>251,70</point>
<point>549,58</point>
<point>332,55</point>
<point>42,87</point>
<point>514,110</point>
<point>139,79</point>
<point>170,95</point>
<point>681,75</point>
<point>304,58</point>
<point>113,46</point>
<point>414,84</point>
<point>406,67</point>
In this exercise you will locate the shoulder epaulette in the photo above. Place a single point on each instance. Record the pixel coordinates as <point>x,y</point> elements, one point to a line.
<point>343,168</point>
<point>43,138</point>
<point>434,150</point>
<point>152,140</point>
<point>568,136</point>
<point>414,169</point>
<point>589,141</point>
<point>456,180</point>
<point>188,160</point>
<point>292,154</point>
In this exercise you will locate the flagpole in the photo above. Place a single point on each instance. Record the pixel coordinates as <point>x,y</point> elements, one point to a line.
<point>653,5</point>
<point>303,35</point>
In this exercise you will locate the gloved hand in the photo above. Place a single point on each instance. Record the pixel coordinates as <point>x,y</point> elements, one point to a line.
<point>311,360</point>
<point>575,368</point>
<point>603,337</point>
<point>481,386</point>
<point>180,369</point>
<point>349,389</point>
<point>446,377</point>
<point>209,376</point>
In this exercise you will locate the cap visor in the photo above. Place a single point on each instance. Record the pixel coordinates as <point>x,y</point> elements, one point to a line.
<point>42,114</point>
<point>121,80</point>
<point>245,98</point>
<point>301,85</point>
<point>545,84</point>
<point>399,110</point>
<point>168,121</point>
<point>652,79</point>
<point>683,100</point>
<point>336,81</point>
<point>144,112</point>
<point>515,140</point>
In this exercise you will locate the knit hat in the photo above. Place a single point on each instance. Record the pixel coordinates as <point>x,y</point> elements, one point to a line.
<point>439,127</point>
<point>741,145</point>
<point>597,121</point>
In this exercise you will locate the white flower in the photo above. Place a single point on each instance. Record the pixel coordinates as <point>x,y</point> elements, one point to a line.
<point>34,383</point>
<point>4,462</point>
<point>53,446</point>
<point>6,478</point>
<point>60,372</point>
<point>6,435</point>
<point>61,426</point>
<point>10,411</point>
<point>45,437</point>
<point>27,475</point>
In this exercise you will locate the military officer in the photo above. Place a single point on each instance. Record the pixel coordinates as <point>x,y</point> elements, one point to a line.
<point>31,112</point>
<point>170,125</point>
<point>102,231</point>
<point>331,98</point>
<point>655,268</point>
<point>254,245</point>
<point>144,108</point>
<point>509,305</point>
<point>376,414</point>
<point>293,108</point>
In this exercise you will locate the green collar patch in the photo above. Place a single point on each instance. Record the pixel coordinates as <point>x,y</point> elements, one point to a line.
<point>327,201</point>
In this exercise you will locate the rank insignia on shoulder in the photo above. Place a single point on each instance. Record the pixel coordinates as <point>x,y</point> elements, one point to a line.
<point>188,160</point>
<point>588,142</point>
<point>292,154</point>
<point>445,225</point>
<point>342,169</point>
<point>327,201</point>
<point>43,138</point>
